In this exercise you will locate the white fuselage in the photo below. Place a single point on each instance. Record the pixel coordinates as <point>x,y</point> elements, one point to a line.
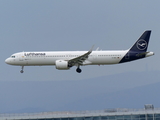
<point>49,58</point>
<point>64,60</point>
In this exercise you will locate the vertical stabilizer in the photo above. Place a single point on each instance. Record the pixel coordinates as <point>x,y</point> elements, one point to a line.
<point>141,44</point>
<point>138,50</point>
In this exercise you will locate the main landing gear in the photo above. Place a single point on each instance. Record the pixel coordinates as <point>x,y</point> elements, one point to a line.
<point>78,70</point>
<point>22,70</point>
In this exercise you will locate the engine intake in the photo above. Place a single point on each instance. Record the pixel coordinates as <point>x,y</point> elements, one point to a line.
<point>61,65</point>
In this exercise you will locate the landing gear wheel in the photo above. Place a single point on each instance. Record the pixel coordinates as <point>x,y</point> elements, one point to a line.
<point>78,70</point>
<point>22,70</point>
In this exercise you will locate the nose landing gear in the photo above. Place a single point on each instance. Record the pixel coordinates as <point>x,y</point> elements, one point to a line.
<point>22,70</point>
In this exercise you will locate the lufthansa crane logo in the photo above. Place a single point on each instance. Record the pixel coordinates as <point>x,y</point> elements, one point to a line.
<point>141,44</point>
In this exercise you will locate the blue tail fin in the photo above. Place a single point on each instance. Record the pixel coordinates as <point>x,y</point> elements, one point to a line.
<point>138,50</point>
<point>141,44</point>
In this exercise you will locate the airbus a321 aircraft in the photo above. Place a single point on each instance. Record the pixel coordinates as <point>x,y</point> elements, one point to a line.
<point>64,60</point>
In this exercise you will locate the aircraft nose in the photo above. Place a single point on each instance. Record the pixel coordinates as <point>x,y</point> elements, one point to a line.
<point>7,61</point>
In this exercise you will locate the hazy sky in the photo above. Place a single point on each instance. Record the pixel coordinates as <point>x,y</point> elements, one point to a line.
<point>62,25</point>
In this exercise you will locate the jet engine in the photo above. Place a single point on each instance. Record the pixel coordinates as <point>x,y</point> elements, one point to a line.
<point>61,65</point>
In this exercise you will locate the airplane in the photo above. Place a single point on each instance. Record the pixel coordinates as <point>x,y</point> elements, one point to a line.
<point>64,60</point>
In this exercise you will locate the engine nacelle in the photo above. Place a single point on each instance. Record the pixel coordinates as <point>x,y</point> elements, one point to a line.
<point>61,65</point>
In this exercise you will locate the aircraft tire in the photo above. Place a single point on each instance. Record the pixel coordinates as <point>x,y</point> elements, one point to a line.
<point>78,70</point>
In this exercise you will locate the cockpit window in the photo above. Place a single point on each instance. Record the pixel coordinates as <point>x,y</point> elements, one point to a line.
<point>13,56</point>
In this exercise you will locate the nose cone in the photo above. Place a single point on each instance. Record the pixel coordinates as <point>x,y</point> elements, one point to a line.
<point>7,61</point>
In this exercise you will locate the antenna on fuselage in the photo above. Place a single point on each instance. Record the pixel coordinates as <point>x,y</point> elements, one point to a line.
<point>97,49</point>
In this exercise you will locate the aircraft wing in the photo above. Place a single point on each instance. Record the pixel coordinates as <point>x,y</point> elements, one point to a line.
<point>79,60</point>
